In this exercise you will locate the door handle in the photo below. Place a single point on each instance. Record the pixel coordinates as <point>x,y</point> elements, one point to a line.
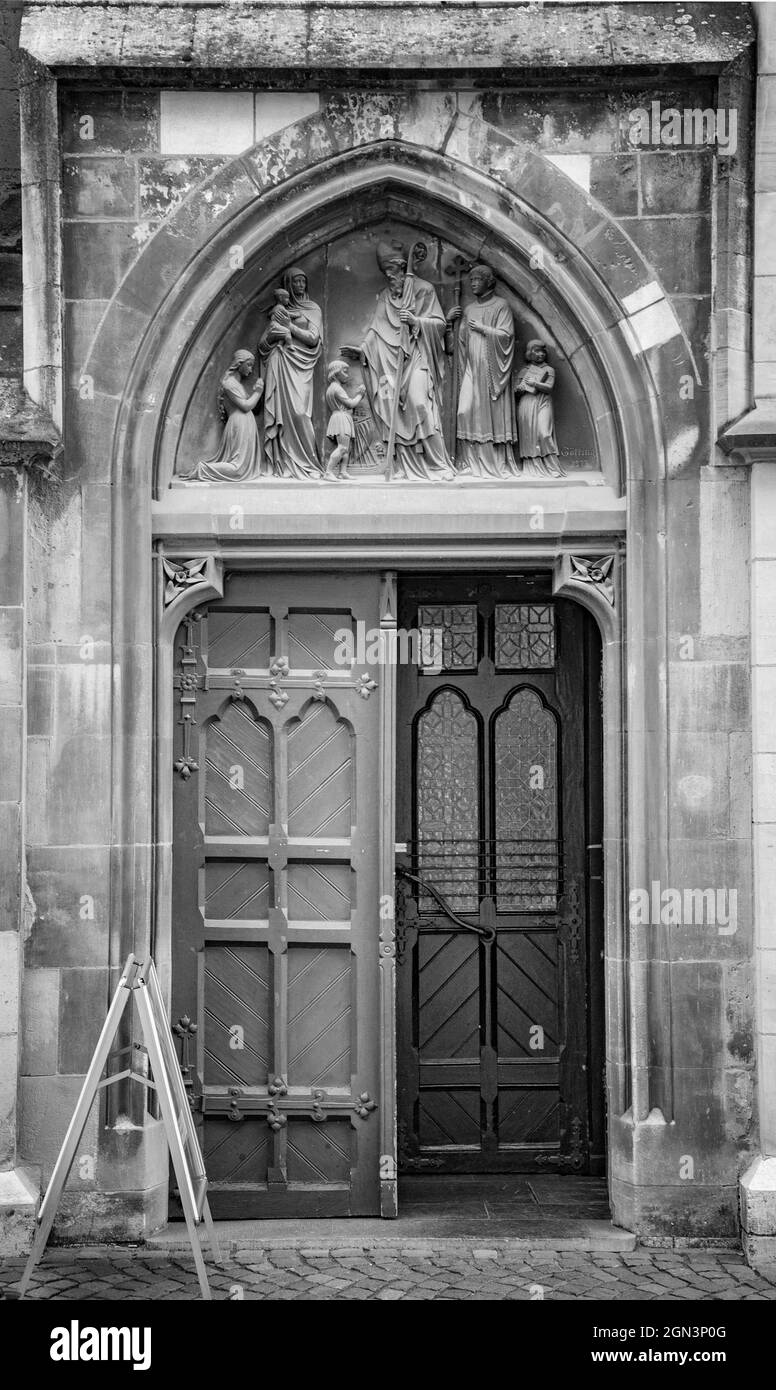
<point>488,934</point>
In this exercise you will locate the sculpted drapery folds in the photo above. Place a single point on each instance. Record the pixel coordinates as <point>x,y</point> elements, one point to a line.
<point>238,457</point>
<point>290,347</point>
<point>536,416</point>
<point>486,431</point>
<point>403,356</point>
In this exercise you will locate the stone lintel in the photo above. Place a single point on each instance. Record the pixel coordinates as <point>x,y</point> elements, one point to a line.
<point>326,35</point>
<point>752,439</point>
<point>28,435</point>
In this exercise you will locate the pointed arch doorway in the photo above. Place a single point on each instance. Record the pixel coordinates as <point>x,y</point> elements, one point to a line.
<point>499,921</point>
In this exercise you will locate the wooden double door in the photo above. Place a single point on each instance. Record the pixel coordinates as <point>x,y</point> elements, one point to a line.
<point>499,936</point>
<point>275,918</point>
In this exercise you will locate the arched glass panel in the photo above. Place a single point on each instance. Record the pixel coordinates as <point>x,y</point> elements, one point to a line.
<point>525,757</point>
<point>447,806</point>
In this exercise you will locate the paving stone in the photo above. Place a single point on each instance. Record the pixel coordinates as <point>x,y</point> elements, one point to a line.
<point>455,1270</point>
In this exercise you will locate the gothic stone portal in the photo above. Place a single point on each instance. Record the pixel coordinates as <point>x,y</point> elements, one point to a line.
<point>308,371</point>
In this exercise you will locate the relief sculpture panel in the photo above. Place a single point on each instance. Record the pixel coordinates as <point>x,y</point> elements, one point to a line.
<point>386,355</point>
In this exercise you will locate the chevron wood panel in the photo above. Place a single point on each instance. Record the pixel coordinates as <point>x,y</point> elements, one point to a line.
<point>528,1117</point>
<point>448,996</point>
<point>236,1153</point>
<point>319,892</point>
<point>238,785</point>
<point>236,889</point>
<point>319,1153</point>
<point>450,1119</point>
<point>312,640</point>
<point>527,983</point>
<point>237,996</point>
<point>239,639</point>
<point>319,1016</point>
<point>320,774</point>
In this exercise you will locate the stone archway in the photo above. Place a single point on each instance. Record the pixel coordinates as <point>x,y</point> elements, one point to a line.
<point>536,227</point>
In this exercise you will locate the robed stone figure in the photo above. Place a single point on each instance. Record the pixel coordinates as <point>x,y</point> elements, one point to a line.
<point>290,347</point>
<point>403,355</point>
<point>486,433</point>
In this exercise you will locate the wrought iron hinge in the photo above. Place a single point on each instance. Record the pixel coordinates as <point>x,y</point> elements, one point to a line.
<point>576,1158</point>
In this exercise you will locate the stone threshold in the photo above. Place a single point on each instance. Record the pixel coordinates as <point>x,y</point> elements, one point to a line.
<point>407,1233</point>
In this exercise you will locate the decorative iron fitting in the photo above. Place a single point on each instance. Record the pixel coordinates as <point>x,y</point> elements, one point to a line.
<point>234,1112</point>
<point>318,1113</point>
<point>571,922</point>
<point>365,685</point>
<point>576,1157</point>
<point>187,682</point>
<point>279,666</point>
<point>364,1105</point>
<point>319,689</point>
<point>276,1119</point>
<point>185,1030</point>
<point>278,1087</point>
<point>277,697</point>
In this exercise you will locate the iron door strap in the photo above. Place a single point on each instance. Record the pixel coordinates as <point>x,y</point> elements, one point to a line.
<point>488,934</point>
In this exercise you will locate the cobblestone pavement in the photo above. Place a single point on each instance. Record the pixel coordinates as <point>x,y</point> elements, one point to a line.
<point>449,1269</point>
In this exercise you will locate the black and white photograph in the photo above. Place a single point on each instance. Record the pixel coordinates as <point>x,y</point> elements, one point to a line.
<point>388,670</point>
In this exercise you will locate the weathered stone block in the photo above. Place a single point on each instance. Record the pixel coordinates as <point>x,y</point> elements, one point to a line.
<point>19,1198</point>
<point>11,644</point>
<point>70,887</point>
<point>764,338</point>
<point>164,183</point>
<point>11,746</point>
<point>698,785</point>
<point>765,884</point>
<point>10,865</point>
<point>83,1004</point>
<point>679,249</point>
<point>10,279</point>
<point>118,122</point>
<point>9,983</point>
<point>708,696</point>
<point>12,518</point>
<point>46,1105</point>
<point>99,188</point>
<point>40,1022</point>
<point>764,779</point>
<point>614,182</point>
<point>676,182</point>
<point>11,342</point>
<point>96,256</point>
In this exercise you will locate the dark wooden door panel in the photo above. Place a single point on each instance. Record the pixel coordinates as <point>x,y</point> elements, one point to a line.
<point>494,806</point>
<point>275,901</point>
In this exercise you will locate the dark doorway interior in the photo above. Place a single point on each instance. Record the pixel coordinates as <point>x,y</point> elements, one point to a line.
<point>499,916</point>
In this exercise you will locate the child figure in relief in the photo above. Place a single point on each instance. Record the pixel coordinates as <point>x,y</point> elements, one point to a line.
<point>340,427</point>
<point>535,415</point>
